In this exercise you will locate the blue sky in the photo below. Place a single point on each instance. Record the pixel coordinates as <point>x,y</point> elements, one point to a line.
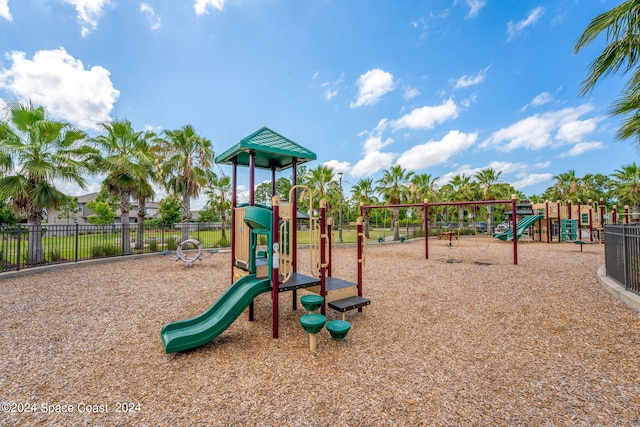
<point>441,86</point>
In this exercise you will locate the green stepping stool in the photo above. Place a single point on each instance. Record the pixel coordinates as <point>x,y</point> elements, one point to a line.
<point>311,302</point>
<point>338,329</point>
<point>312,324</point>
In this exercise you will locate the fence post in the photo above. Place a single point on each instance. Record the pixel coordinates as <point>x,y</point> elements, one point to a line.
<point>19,234</point>
<point>77,234</point>
<point>624,258</point>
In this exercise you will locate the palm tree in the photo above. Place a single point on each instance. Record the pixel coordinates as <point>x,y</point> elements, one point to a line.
<point>627,186</point>
<point>567,185</point>
<point>620,56</point>
<point>487,179</point>
<point>423,187</point>
<point>393,189</point>
<point>323,186</point>
<point>462,190</point>
<point>219,197</point>
<point>187,157</point>
<point>363,192</point>
<point>128,162</point>
<point>36,154</point>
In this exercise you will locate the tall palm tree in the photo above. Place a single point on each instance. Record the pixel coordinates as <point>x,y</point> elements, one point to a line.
<point>323,186</point>
<point>37,153</point>
<point>363,192</point>
<point>128,163</point>
<point>393,189</point>
<point>219,196</point>
<point>423,187</point>
<point>462,191</point>
<point>620,56</point>
<point>627,186</point>
<point>567,185</point>
<point>187,157</point>
<point>487,179</point>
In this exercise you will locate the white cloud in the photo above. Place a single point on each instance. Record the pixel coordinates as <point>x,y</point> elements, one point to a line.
<point>543,98</point>
<point>331,87</point>
<point>474,7</point>
<point>537,131</point>
<point>375,143</point>
<point>427,117</point>
<point>531,179</point>
<point>4,10</point>
<point>372,162</point>
<point>88,11</point>
<point>152,17</point>
<point>515,28</point>
<point>201,6</point>
<point>410,93</point>
<point>337,166</point>
<point>61,84</point>
<point>372,86</point>
<point>575,130</point>
<point>466,81</point>
<point>583,147</point>
<point>436,152</point>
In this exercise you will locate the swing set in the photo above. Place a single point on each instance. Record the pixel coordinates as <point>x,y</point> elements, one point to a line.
<point>451,235</point>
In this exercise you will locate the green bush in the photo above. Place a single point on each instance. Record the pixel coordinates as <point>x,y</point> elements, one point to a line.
<point>172,243</point>
<point>223,242</point>
<point>153,245</point>
<point>54,255</point>
<point>104,251</point>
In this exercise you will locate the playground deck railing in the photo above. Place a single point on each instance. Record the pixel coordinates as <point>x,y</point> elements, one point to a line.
<point>622,255</point>
<point>68,243</point>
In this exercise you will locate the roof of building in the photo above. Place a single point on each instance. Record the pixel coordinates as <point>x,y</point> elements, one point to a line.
<point>272,151</point>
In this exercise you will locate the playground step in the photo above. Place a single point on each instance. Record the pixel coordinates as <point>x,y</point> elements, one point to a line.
<point>337,289</point>
<point>350,303</point>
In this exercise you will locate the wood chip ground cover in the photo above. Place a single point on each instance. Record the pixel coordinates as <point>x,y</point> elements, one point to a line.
<point>464,338</point>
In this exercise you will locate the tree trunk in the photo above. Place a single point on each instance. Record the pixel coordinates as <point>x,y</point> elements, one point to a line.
<point>396,224</point>
<point>125,232</point>
<point>223,219</point>
<point>186,215</point>
<point>142,206</point>
<point>35,251</point>
<point>365,220</point>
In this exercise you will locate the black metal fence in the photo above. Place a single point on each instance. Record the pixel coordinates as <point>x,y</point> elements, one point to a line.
<point>25,245</point>
<point>622,254</point>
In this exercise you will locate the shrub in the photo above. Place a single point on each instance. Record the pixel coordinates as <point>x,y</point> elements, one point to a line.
<point>54,256</point>
<point>172,243</point>
<point>104,251</point>
<point>153,245</point>
<point>223,242</point>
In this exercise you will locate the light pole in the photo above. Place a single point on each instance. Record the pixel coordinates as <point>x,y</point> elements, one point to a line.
<point>340,209</point>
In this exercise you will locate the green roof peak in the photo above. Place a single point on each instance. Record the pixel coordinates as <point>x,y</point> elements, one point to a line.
<point>272,151</point>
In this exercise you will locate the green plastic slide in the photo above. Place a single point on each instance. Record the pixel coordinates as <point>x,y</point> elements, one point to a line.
<point>521,225</point>
<point>199,330</point>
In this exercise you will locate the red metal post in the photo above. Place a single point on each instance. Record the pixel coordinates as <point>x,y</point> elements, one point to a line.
<point>614,214</point>
<point>275,262</point>
<point>626,214</point>
<point>294,214</point>
<point>330,244</point>
<point>252,178</point>
<point>515,237</point>
<point>590,223</point>
<point>323,255</point>
<point>548,220</point>
<point>234,197</point>
<point>426,229</point>
<point>360,252</point>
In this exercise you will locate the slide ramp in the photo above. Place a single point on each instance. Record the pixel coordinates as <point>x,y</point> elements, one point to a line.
<point>522,225</point>
<point>199,330</point>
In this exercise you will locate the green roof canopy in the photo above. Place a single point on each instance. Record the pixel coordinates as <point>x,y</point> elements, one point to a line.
<point>272,150</point>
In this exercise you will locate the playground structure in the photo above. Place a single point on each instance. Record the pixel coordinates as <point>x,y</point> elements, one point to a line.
<point>569,222</point>
<point>449,236</point>
<point>264,253</point>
